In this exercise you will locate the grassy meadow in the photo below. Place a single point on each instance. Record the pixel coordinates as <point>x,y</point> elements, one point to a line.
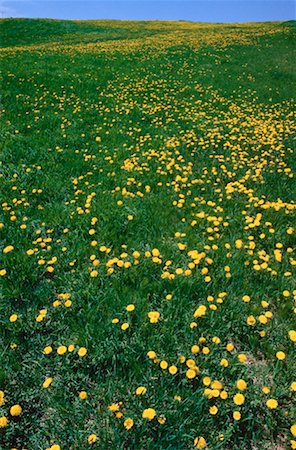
<point>147,235</point>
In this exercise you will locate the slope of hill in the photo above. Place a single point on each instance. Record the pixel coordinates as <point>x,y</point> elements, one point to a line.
<point>147,235</point>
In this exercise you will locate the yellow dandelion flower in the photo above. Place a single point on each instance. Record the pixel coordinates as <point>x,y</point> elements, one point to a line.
<point>47,383</point>
<point>128,423</point>
<point>92,438</point>
<point>241,385</point>
<point>61,350</point>
<point>83,395</point>
<point>149,414</point>
<point>200,442</point>
<point>15,410</point>
<point>280,355</point>
<point>13,318</point>
<point>130,307</point>
<point>3,422</point>
<point>141,390</point>
<point>8,249</point>
<point>82,351</point>
<point>239,399</point>
<point>190,374</point>
<point>271,403</point>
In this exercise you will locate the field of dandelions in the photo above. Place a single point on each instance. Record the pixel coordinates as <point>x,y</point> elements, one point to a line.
<point>147,236</point>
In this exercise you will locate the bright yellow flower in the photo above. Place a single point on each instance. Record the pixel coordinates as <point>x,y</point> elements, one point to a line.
<point>153,316</point>
<point>292,335</point>
<point>271,403</point>
<point>251,320</point>
<point>239,399</point>
<point>213,410</point>
<point>47,383</point>
<point>280,355</point>
<point>191,373</point>
<point>3,422</point>
<point>173,370</point>
<point>141,390</point>
<point>92,438</point>
<point>13,318</point>
<point>82,351</point>
<point>113,407</point>
<point>200,311</point>
<point>83,395</point>
<point>15,410</point>
<point>130,307</point>
<point>8,249</point>
<point>163,364</point>
<point>200,442</point>
<point>149,414</point>
<point>61,350</point>
<point>47,350</point>
<point>1,398</point>
<point>128,423</point>
<point>241,385</point>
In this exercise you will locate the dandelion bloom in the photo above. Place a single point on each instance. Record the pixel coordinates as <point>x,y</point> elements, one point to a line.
<point>92,438</point>
<point>113,407</point>
<point>8,249</point>
<point>1,398</point>
<point>161,419</point>
<point>149,414</point>
<point>213,410</point>
<point>15,410</point>
<point>241,385</point>
<point>153,316</point>
<point>191,373</point>
<point>239,399</point>
<point>200,442</point>
<point>200,311</point>
<point>251,320</point>
<point>280,355</point>
<point>82,395</point>
<point>173,370</point>
<point>82,351</point>
<point>61,350</point>
<point>13,318</point>
<point>3,422</point>
<point>130,307</point>
<point>271,403</point>
<point>128,423</point>
<point>47,350</point>
<point>292,335</point>
<point>47,383</point>
<point>141,390</point>
<point>163,364</point>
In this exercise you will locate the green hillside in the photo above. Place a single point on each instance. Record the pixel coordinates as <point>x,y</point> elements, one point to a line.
<point>147,235</point>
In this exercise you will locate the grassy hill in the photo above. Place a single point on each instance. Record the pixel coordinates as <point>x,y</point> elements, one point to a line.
<point>147,235</point>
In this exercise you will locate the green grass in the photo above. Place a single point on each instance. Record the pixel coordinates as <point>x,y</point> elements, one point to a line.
<point>196,139</point>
